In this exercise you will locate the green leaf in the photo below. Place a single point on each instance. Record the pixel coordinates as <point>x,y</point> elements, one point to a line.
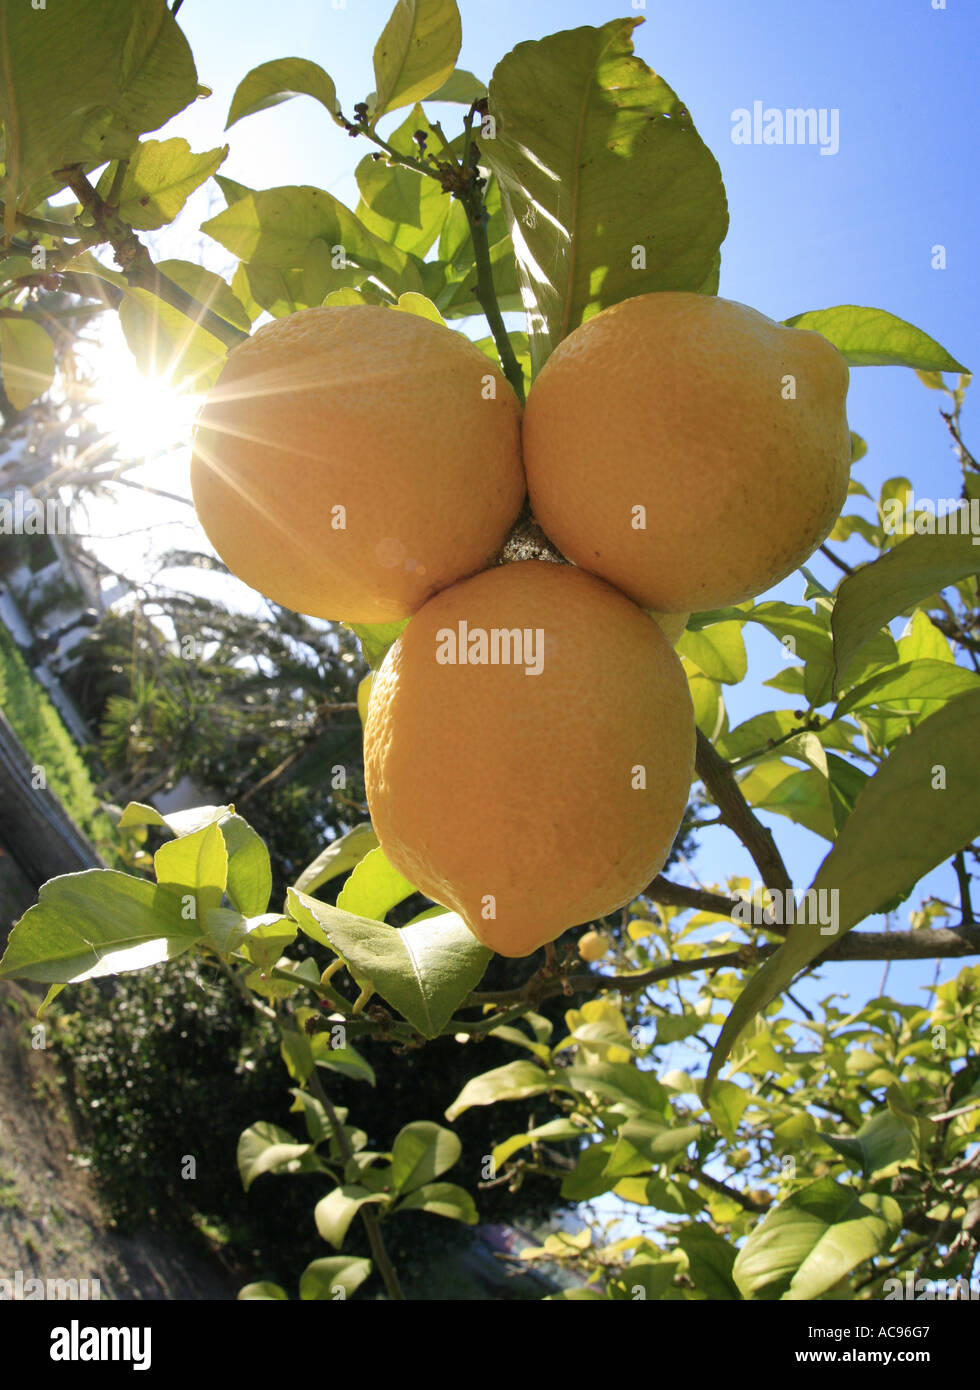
<point>424,970</point>
<point>334,1213</point>
<point>805,635</point>
<point>800,794</point>
<point>421,1151</point>
<point>195,864</point>
<point>267,1148</point>
<point>882,1140</point>
<point>232,189</point>
<point>915,569</point>
<point>346,1060</point>
<point>645,1142</point>
<point>902,825</point>
<point>160,177</point>
<point>165,342</point>
<point>813,1240</point>
<point>608,188</point>
<point>875,338</point>
<point>755,733</point>
<point>376,638</point>
<point>416,53</point>
<point>930,681</point>
<point>26,360</point>
<point>297,1053</point>
<point>710,1261</point>
<point>553,1129</point>
<point>339,857</point>
<point>273,230</point>
<point>513,1081</point>
<point>374,887</point>
<point>277,81</point>
<point>460,87</point>
<point>94,923</point>
<point>264,1291</point>
<point>249,884</point>
<point>421,307</point>
<point>268,937</point>
<point>726,1107</point>
<point>442,1199</point>
<point>589,1178</point>
<point>709,708</point>
<point>619,1082</point>
<point>402,205</point>
<point>719,651</point>
<point>81,92</point>
<point>334,1277</point>
<point>208,289</point>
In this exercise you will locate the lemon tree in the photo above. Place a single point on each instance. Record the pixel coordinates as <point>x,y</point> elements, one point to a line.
<point>830,1154</point>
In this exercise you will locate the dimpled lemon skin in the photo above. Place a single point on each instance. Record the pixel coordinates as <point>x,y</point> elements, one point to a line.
<point>350,462</point>
<point>675,403</point>
<point>496,790</point>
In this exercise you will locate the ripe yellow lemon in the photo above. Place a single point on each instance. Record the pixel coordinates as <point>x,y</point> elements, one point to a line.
<point>593,946</point>
<point>528,751</point>
<point>350,462</point>
<point>688,449</point>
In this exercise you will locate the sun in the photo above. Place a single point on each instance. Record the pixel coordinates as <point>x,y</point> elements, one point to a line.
<point>144,416</point>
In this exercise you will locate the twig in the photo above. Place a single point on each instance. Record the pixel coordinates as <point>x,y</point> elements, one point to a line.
<point>664,890</point>
<point>134,261</point>
<point>719,780</point>
<point>836,560</point>
<point>694,1171</point>
<point>463,182</point>
<point>966,906</point>
<point>371,1224</point>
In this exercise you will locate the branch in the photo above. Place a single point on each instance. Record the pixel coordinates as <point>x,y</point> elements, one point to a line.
<point>369,1217</point>
<point>663,890</point>
<point>716,1185</point>
<point>842,565</point>
<point>462,181</point>
<point>950,628</point>
<point>966,906</point>
<point>134,261</point>
<point>487,295</point>
<point>44,226</point>
<point>719,780</point>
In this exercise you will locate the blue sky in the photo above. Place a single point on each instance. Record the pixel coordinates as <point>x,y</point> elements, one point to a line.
<point>807,230</point>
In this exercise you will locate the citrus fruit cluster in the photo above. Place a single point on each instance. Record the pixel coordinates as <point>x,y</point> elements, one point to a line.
<point>529,741</point>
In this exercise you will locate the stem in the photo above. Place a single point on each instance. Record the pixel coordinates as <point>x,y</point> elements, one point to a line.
<point>118,179</point>
<point>966,906</point>
<point>836,560</point>
<point>134,261</point>
<point>321,990</point>
<point>719,780</point>
<point>42,224</point>
<point>369,1217</point>
<point>487,295</point>
<point>469,193</point>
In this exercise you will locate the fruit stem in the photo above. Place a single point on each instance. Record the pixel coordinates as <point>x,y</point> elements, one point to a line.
<point>485,292</point>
